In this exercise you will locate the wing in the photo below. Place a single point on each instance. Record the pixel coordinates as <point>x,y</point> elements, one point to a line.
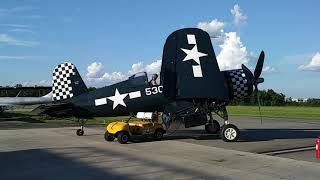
<point>189,67</point>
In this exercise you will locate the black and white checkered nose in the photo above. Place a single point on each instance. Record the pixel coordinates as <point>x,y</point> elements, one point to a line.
<point>239,82</point>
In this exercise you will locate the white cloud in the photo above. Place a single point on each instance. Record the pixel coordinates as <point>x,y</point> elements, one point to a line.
<point>22,30</point>
<point>96,77</point>
<point>95,70</point>
<point>233,53</point>
<point>214,28</point>
<point>268,69</point>
<point>154,67</point>
<point>9,40</point>
<point>15,10</point>
<point>40,83</point>
<point>113,77</point>
<point>135,68</point>
<point>313,65</point>
<point>15,25</point>
<point>239,18</point>
<point>16,57</point>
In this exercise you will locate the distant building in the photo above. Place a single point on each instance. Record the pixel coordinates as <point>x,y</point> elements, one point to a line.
<point>298,100</point>
<point>24,91</point>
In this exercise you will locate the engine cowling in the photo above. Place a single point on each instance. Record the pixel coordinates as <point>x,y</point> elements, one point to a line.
<point>239,83</point>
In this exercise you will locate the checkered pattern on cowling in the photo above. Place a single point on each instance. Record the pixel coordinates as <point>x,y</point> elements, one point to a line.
<point>62,88</point>
<point>239,83</point>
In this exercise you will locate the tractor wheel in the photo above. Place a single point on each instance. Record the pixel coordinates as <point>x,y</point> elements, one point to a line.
<point>108,137</point>
<point>123,137</point>
<point>158,135</point>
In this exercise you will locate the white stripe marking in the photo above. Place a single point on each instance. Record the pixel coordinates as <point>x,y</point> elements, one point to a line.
<point>101,101</point>
<point>135,94</point>
<point>191,39</point>
<point>197,72</point>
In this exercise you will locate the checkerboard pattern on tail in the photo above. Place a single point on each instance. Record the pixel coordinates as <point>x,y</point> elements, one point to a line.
<point>62,87</point>
<point>239,83</point>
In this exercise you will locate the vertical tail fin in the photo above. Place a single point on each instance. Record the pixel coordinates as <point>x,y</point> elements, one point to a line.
<point>67,82</point>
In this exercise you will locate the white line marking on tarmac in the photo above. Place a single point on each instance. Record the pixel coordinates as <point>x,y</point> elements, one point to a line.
<point>273,153</point>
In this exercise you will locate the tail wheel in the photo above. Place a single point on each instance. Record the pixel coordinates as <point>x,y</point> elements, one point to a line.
<point>123,137</point>
<point>108,137</point>
<point>213,127</point>
<point>80,132</point>
<point>230,133</point>
<point>158,135</point>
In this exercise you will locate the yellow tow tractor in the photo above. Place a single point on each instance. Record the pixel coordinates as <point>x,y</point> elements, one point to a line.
<point>126,130</point>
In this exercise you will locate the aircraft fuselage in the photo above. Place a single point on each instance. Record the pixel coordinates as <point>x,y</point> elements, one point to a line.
<point>121,99</point>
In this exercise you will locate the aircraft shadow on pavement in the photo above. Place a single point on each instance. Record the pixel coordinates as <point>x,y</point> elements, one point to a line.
<point>190,134</point>
<point>247,135</point>
<point>11,116</point>
<point>49,164</point>
<point>38,163</point>
<point>251,135</point>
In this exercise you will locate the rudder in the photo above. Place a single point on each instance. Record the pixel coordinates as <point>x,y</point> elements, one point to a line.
<point>67,82</point>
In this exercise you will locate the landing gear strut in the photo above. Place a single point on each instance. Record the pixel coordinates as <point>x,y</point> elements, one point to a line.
<point>229,132</point>
<point>80,131</point>
<point>213,126</point>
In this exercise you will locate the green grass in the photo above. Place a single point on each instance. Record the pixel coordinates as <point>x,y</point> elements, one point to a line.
<point>276,112</point>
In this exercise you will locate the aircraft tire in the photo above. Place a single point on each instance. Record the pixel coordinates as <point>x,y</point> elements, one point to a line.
<point>213,128</point>
<point>123,137</point>
<point>230,133</point>
<point>108,137</point>
<point>80,132</point>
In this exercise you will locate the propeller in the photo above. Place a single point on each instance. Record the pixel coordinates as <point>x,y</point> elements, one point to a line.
<point>257,79</point>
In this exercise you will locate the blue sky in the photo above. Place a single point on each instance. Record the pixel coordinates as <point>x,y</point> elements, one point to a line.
<point>123,36</point>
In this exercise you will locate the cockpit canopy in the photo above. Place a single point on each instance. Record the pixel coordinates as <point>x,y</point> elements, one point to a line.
<point>139,79</point>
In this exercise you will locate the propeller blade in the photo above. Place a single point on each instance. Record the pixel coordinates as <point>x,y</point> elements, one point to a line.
<point>248,70</point>
<point>258,99</point>
<point>259,66</point>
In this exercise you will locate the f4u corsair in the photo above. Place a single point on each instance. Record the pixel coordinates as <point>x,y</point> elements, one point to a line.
<point>191,88</point>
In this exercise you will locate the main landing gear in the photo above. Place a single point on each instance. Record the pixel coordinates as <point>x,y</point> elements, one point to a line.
<point>228,132</point>
<point>82,122</point>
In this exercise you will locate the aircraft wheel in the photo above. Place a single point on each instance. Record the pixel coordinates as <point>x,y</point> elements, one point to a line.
<point>230,133</point>
<point>158,135</point>
<point>80,132</point>
<point>212,128</point>
<point>108,137</point>
<point>123,137</point>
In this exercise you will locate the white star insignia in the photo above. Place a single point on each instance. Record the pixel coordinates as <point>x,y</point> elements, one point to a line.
<point>118,99</point>
<point>193,54</point>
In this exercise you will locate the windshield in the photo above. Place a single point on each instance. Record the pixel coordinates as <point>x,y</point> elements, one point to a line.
<point>139,79</point>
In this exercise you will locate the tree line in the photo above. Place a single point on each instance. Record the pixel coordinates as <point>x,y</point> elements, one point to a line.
<point>271,98</point>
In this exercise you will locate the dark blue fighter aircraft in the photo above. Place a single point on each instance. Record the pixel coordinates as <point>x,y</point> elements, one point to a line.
<point>191,88</point>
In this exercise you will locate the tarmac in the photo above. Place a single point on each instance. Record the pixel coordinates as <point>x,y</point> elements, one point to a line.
<point>34,151</point>
<point>292,138</point>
